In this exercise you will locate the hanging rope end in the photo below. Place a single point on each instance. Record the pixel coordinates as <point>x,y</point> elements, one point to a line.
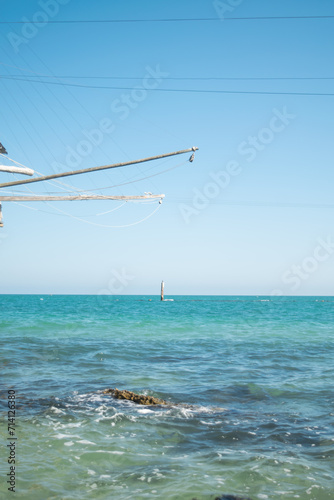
<point>191,159</point>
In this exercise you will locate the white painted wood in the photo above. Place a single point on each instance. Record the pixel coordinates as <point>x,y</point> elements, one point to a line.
<point>16,170</point>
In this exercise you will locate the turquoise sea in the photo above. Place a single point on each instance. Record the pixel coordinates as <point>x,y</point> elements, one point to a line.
<point>249,379</point>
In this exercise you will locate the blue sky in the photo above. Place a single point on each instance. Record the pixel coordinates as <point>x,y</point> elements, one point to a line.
<point>251,215</point>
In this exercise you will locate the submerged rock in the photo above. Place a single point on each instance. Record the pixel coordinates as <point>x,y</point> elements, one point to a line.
<point>232,497</point>
<point>229,497</point>
<point>140,399</point>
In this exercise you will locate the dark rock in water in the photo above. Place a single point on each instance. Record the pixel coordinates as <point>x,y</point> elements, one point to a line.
<point>140,399</point>
<point>229,497</point>
<point>232,497</point>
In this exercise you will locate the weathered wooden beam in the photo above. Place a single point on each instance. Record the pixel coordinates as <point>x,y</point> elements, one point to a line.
<point>80,197</point>
<point>95,169</point>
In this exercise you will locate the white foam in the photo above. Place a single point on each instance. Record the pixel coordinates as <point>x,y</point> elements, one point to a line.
<point>84,441</point>
<point>110,452</point>
<point>57,410</point>
<point>104,451</point>
<point>185,412</point>
<point>63,436</point>
<point>145,411</point>
<point>91,472</point>
<point>65,426</point>
<point>226,452</point>
<point>217,422</point>
<point>69,443</point>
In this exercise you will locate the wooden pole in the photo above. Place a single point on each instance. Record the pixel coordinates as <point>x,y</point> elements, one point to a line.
<point>94,169</point>
<point>80,197</point>
<point>162,290</point>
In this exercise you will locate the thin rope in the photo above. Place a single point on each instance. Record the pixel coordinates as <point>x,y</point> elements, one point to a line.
<point>131,181</point>
<point>27,206</point>
<point>39,173</point>
<point>95,215</point>
<point>16,162</point>
<point>108,226</point>
<point>113,210</point>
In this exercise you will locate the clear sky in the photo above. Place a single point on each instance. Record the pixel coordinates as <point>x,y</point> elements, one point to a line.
<point>253,214</point>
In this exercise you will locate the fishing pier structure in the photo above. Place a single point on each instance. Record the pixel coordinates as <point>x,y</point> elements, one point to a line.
<point>18,168</point>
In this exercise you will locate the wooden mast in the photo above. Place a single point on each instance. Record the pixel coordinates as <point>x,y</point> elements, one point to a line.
<point>94,169</point>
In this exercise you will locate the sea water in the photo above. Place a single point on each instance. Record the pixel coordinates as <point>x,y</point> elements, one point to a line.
<point>249,382</point>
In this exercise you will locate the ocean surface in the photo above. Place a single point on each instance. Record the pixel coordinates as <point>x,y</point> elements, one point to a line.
<point>249,381</point>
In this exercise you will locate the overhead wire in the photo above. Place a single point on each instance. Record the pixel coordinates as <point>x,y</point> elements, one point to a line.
<point>71,187</point>
<point>29,135</point>
<point>198,91</point>
<point>86,110</point>
<point>175,20</point>
<point>67,109</point>
<point>173,78</point>
<point>195,78</point>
